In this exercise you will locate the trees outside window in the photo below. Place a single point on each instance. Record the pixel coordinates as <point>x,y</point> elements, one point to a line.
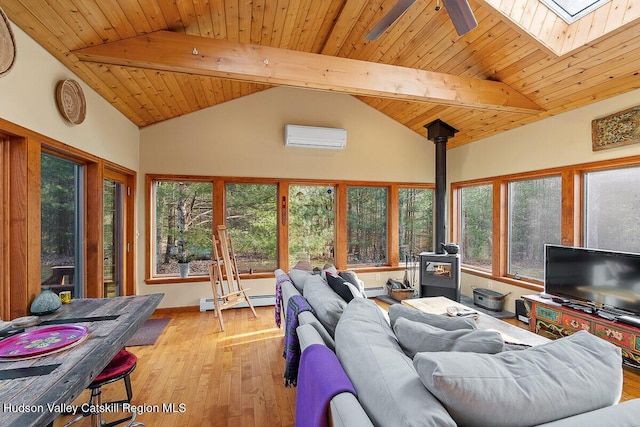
<point>415,222</point>
<point>476,225</point>
<point>62,223</point>
<point>183,226</point>
<point>311,224</point>
<point>535,216</point>
<point>612,209</point>
<point>366,225</point>
<point>251,218</point>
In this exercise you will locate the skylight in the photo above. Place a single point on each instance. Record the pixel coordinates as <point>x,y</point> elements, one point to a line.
<point>572,10</point>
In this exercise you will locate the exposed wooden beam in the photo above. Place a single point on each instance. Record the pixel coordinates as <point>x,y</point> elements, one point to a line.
<point>177,52</point>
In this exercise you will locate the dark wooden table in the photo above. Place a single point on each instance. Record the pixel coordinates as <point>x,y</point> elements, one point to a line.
<point>28,401</point>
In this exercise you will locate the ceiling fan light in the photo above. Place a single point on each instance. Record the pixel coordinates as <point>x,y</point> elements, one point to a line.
<point>461,15</point>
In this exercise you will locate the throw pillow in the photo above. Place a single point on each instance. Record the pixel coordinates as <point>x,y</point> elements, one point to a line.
<point>438,320</point>
<point>330,269</point>
<point>339,287</point>
<point>548,382</point>
<point>352,277</point>
<point>415,337</point>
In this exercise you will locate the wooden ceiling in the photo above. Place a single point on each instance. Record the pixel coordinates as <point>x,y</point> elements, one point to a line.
<point>520,65</point>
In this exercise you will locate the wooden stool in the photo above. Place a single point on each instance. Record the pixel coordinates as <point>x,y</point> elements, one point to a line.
<point>120,368</point>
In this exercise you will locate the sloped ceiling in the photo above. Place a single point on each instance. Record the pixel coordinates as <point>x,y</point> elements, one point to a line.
<point>520,65</point>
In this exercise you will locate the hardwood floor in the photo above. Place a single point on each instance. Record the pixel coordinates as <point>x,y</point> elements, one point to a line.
<point>231,378</point>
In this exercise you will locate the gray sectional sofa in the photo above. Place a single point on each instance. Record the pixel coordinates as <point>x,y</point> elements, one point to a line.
<point>572,382</point>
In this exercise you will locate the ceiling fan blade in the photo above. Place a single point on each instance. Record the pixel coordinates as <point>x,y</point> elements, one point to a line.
<point>387,20</point>
<point>461,15</point>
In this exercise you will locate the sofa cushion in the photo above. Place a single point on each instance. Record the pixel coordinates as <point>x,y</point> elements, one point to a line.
<point>299,277</point>
<point>438,320</point>
<point>415,337</point>
<point>565,377</point>
<point>327,304</point>
<point>387,384</point>
<point>339,286</point>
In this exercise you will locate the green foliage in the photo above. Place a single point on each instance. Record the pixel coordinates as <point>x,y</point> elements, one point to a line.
<point>535,215</point>
<point>251,220</point>
<point>416,221</point>
<point>58,207</point>
<point>311,224</point>
<point>184,218</point>
<point>366,225</point>
<point>477,225</point>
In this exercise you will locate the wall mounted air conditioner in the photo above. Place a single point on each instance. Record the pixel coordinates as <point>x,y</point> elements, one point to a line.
<point>315,137</point>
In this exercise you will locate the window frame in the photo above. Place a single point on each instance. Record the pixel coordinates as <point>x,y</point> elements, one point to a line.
<point>20,187</point>
<point>572,220</point>
<point>283,184</point>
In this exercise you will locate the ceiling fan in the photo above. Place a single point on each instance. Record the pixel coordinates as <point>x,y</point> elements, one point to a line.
<point>459,12</point>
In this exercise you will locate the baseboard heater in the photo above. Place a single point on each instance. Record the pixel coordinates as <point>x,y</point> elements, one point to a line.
<point>206,304</point>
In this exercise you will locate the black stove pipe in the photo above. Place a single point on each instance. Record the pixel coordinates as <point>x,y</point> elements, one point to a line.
<point>439,132</point>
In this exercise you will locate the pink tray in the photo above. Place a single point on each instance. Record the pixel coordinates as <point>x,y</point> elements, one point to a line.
<point>41,341</point>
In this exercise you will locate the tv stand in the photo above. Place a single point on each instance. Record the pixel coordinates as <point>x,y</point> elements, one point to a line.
<point>553,320</point>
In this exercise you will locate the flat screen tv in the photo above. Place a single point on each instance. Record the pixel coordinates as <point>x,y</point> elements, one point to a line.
<point>607,279</point>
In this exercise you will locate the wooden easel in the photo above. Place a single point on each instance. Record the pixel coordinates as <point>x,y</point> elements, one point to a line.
<point>224,269</point>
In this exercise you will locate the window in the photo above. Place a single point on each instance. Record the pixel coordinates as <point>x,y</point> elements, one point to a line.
<point>476,225</point>
<point>572,10</point>
<point>62,224</point>
<point>183,226</point>
<point>415,222</point>
<point>366,225</point>
<point>535,216</point>
<point>251,217</point>
<point>311,224</point>
<point>274,223</point>
<point>612,209</point>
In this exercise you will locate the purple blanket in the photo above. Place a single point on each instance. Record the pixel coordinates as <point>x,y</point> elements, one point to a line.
<point>321,377</point>
<point>291,353</point>
<point>279,281</point>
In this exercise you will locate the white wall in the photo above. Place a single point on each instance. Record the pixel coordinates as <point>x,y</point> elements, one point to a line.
<point>245,137</point>
<point>27,98</point>
<point>557,141</point>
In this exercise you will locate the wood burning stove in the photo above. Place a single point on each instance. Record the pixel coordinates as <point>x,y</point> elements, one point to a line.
<point>440,271</point>
<point>440,275</point>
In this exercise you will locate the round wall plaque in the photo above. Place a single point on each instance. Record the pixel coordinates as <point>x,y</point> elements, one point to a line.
<point>7,45</point>
<point>71,102</point>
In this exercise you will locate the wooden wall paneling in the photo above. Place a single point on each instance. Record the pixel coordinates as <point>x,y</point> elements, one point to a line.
<point>117,19</point>
<point>346,20</point>
<point>153,90</point>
